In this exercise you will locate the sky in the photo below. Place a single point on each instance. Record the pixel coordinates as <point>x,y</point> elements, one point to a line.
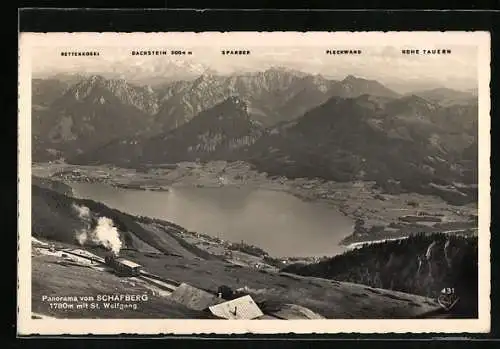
<point>384,63</point>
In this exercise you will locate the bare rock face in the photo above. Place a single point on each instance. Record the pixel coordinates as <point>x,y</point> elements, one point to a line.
<point>95,88</point>
<point>92,112</point>
<point>216,133</point>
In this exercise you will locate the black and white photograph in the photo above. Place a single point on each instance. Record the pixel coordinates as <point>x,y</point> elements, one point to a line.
<point>255,176</point>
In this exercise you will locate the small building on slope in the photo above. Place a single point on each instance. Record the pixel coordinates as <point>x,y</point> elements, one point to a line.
<point>242,308</point>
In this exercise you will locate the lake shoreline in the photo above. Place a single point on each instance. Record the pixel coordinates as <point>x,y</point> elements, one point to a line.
<point>273,220</point>
<point>377,215</point>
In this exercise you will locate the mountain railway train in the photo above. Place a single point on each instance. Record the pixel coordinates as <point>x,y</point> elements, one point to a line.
<point>123,267</point>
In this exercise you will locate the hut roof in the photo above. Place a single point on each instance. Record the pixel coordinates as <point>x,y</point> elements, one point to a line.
<point>243,308</point>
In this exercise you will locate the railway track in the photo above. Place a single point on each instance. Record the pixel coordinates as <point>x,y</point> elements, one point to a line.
<point>93,259</point>
<point>162,285</point>
<point>159,278</point>
<point>157,281</point>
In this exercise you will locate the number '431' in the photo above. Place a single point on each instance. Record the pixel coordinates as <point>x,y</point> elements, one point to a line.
<point>448,290</point>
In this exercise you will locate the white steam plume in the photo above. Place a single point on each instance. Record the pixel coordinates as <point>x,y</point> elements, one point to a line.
<point>104,234</point>
<point>83,211</point>
<point>84,214</point>
<point>107,235</point>
<point>81,236</point>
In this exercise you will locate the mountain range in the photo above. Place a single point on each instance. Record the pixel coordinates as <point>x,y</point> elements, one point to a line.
<point>282,121</point>
<point>447,97</point>
<point>216,133</point>
<point>406,141</point>
<point>67,110</point>
<point>88,114</point>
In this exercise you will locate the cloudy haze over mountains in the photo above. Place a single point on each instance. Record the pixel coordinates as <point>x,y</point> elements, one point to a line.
<point>384,64</point>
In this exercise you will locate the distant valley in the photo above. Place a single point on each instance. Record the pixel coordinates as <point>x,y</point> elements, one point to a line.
<point>282,122</point>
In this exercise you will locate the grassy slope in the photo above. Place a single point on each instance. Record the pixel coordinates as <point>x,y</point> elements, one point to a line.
<point>331,299</point>
<point>51,279</point>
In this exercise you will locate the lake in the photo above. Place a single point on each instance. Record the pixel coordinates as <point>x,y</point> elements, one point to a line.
<point>278,222</point>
